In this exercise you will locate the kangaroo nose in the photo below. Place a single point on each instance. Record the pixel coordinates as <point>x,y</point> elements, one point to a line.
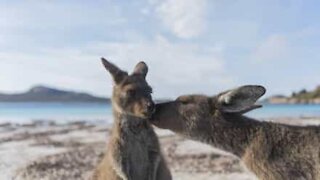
<point>150,106</point>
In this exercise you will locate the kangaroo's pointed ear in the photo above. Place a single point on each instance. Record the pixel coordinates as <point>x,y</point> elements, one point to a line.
<point>117,74</point>
<point>240,100</point>
<point>141,68</point>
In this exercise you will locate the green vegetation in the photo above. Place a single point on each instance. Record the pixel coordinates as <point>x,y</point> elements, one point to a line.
<point>307,95</point>
<point>301,97</point>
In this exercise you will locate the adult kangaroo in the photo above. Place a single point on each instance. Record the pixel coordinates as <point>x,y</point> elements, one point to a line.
<point>272,151</point>
<point>133,152</point>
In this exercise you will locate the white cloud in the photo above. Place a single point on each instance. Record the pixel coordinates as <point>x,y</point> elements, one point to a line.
<point>52,22</point>
<point>59,68</point>
<point>175,68</point>
<point>274,47</point>
<point>29,53</point>
<point>185,18</point>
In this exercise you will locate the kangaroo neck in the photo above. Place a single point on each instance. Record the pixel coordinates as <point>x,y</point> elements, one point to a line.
<point>230,133</point>
<point>127,121</point>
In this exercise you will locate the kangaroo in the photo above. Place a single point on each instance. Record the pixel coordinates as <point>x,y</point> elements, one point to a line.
<point>133,151</point>
<point>272,151</point>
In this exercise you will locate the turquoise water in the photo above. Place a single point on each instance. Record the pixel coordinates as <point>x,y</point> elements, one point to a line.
<point>286,110</point>
<point>20,112</point>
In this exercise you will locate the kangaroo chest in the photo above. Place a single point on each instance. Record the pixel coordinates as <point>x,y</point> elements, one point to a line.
<point>136,148</point>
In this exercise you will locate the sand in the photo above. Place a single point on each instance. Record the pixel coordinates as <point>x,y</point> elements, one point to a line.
<point>42,150</point>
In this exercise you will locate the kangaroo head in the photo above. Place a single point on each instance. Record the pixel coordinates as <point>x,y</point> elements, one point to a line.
<point>188,111</point>
<point>131,93</point>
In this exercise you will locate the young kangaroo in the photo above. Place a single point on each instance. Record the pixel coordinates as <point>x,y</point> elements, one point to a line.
<point>272,151</point>
<point>133,152</point>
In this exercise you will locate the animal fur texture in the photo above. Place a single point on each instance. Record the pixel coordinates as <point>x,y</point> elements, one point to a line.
<point>133,152</point>
<point>272,151</point>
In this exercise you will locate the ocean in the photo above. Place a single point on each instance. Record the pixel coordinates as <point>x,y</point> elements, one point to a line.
<point>63,112</point>
<point>97,112</point>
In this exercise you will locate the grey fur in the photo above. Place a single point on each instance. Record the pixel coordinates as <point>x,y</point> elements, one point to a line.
<point>133,152</point>
<point>270,150</point>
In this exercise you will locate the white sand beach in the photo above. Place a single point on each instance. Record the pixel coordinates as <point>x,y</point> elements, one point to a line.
<point>45,150</point>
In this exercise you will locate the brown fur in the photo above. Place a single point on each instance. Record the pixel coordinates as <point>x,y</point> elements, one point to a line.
<point>272,151</point>
<point>133,151</point>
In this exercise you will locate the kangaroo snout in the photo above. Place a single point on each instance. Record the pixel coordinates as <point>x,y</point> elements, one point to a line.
<point>148,108</point>
<point>151,107</point>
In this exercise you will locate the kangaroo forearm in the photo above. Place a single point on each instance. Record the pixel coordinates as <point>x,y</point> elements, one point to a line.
<point>119,164</point>
<point>122,170</point>
<point>154,160</point>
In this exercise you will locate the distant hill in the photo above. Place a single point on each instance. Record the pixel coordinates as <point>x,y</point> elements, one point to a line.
<point>301,97</point>
<point>47,94</point>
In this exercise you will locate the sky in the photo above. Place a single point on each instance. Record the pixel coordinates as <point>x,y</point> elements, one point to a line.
<point>190,46</point>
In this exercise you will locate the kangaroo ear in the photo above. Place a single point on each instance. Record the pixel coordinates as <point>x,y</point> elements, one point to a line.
<point>141,68</point>
<point>117,74</point>
<point>240,100</point>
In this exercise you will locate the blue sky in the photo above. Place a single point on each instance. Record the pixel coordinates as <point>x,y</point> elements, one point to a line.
<point>191,46</point>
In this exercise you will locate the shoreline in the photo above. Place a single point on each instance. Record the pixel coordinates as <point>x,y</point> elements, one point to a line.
<point>70,150</point>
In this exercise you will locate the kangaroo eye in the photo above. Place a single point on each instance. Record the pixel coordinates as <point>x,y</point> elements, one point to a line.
<point>183,102</point>
<point>131,93</point>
